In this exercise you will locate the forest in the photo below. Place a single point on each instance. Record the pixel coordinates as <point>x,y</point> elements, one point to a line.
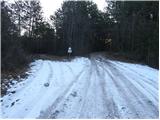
<point>129,28</point>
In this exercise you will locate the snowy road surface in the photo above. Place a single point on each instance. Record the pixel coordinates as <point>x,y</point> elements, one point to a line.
<point>84,88</point>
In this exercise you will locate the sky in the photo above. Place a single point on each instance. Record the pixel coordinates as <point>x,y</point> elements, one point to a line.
<point>50,6</point>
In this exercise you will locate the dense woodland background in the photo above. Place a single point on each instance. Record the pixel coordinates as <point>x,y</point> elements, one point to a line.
<point>133,27</point>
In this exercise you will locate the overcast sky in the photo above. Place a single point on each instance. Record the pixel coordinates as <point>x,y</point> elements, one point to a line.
<point>50,6</point>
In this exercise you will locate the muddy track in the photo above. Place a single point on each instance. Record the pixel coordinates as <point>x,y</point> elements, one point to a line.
<point>88,98</point>
<point>110,107</point>
<point>109,103</point>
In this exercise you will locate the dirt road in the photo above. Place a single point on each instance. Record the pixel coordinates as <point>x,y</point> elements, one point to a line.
<point>86,88</point>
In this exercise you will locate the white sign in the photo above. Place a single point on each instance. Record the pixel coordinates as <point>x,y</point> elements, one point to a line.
<point>69,50</point>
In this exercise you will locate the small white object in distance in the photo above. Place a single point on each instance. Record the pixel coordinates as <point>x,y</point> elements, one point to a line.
<point>69,50</point>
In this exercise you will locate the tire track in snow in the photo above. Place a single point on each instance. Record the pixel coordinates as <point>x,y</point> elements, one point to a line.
<point>136,83</point>
<point>95,98</point>
<point>71,107</point>
<point>119,91</point>
<point>71,70</point>
<point>134,92</point>
<point>43,90</point>
<point>134,71</point>
<point>27,90</point>
<point>85,95</point>
<point>85,107</point>
<point>152,90</point>
<point>105,90</point>
<point>51,111</point>
<point>150,82</point>
<point>110,107</point>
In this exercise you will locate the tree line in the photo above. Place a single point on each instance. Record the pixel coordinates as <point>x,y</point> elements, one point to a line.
<point>136,29</point>
<point>132,27</point>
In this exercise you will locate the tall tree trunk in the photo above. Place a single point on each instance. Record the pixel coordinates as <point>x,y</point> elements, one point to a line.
<point>19,23</point>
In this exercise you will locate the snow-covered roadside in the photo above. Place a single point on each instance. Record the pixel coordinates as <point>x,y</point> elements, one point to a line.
<point>31,96</point>
<point>84,88</point>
